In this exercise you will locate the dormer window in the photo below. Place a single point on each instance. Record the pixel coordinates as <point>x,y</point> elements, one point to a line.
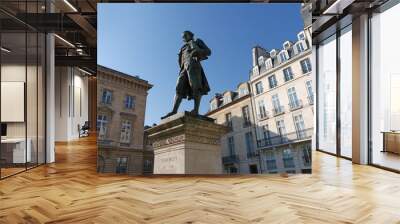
<point>283,56</point>
<point>301,36</point>
<point>260,60</point>
<point>286,45</point>
<point>243,91</point>
<point>272,53</point>
<point>255,71</point>
<point>227,99</point>
<point>213,105</point>
<point>268,63</point>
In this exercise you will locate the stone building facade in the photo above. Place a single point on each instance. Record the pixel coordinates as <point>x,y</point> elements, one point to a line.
<point>234,109</point>
<point>121,105</point>
<point>280,99</point>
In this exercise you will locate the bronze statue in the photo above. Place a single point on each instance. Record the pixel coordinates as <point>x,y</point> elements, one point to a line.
<point>192,82</point>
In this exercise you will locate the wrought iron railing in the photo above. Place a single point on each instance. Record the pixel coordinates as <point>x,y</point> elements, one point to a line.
<point>230,159</point>
<point>294,105</point>
<point>251,154</point>
<point>263,116</point>
<point>278,110</point>
<point>310,99</point>
<point>305,134</point>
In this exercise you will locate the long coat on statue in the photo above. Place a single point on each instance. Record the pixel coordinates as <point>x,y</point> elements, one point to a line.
<point>192,79</point>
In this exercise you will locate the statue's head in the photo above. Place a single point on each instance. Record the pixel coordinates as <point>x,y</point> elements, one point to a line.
<point>187,36</point>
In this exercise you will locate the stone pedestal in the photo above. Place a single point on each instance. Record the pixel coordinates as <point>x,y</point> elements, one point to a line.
<point>186,144</point>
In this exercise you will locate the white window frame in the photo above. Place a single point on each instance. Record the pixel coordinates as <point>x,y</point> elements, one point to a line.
<point>106,96</point>
<point>102,126</point>
<point>268,63</point>
<point>292,95</point>
<point>262,112</point>
<point>275,102</point>
<point>285,57</point>
<point>308,65</point>
<point>126,132</point>
<point>261,89</point>
<point>272,79</point>
<point>130,102</point>
<point>288,74</point>
<point>280,127</point>
<point>299,125</point>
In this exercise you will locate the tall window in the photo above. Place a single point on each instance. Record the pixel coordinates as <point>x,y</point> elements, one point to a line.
<point>272,81</point>
<point>288,74</point>
<point>300,126</point>
<point>228,119</point>
<point>268,63</point>
<point>305,65</point>
<point>122,165</point>
<point>262,113</point>
<point>267,134</point>
<point>276,104</point>
<point>249,142</point>
<point>102,126</point>
<point>293,100</point>
<point>310,93</point>
<point>327,95</point>
<point>246,116</point>
<point>271,161</point>
<point>346,73</point>
<point>385,87</point>
<point>231,146</point>
<point>280,126</point>
<point>287,156</point>
<point>129,102</point>
<point>300,47</point>
<point>106,97</point>
<point>126,132</point>
<point>283,56</point>
<point>259,88</point>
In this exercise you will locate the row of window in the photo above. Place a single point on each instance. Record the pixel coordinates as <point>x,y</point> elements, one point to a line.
<point>287,75</point>
<point>294,102</point>
<point>245,117</point>
<point>125,132</point>
<point>106,98</point>
<point>271,163</point>
<point>281,129</point>
<point>283,55</point>
<point>288,159</point>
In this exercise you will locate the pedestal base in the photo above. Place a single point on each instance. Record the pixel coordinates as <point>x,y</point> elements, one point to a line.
<point>186,144</point>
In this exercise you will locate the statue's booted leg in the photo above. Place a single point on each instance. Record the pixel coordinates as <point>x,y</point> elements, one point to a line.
<point>177,103</point>
<point>197,100</point>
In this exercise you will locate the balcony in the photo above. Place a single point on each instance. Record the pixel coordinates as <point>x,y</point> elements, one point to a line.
<point>263,116</point>
<point>295,105</point>
<point>246,123</point>
<point>302,135</point>
<point>230,159</point>
<point>310,99</point>
<point>278,110</point>
<point>251,154</point>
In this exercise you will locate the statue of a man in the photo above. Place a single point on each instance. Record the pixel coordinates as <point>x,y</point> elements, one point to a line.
<point>192,82</point>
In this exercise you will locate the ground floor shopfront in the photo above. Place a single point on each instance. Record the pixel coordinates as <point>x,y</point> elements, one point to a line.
<point>358,84</point>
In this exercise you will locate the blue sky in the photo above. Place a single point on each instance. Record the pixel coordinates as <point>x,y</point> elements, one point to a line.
<point>144,40</point>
